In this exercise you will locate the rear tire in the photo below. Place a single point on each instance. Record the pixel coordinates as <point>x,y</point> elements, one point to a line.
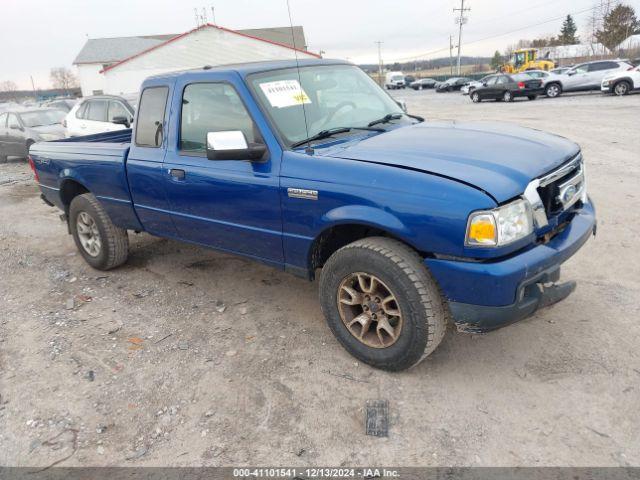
<point>621,88</point>
<point>103,245</point>
<point>417,312</point>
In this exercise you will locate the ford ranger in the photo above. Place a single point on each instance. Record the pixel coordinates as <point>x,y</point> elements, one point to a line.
<point>312,168</point>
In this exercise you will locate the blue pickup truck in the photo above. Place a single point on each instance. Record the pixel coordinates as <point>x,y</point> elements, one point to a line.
<point>312,168</point>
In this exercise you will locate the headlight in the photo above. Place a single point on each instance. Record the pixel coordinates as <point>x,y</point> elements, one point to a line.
<point>501,226</point>
<point>49,136</point>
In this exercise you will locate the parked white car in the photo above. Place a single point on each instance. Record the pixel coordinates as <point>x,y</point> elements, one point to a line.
<point>621,83</point>
<point>99,114</point>
<point>583,77</point>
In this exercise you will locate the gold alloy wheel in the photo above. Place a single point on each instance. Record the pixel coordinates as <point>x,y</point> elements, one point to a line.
<point>369,310</point>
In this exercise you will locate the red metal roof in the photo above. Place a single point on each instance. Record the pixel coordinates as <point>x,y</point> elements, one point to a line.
<point>206,25</point>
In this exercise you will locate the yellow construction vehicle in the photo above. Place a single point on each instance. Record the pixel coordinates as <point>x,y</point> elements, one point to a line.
<point>526,59</point>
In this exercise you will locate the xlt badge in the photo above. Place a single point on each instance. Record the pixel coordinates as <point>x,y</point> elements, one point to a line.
<point>302,193</point>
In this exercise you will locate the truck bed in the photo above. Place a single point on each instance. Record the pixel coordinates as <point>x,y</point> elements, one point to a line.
<point>96,163</point>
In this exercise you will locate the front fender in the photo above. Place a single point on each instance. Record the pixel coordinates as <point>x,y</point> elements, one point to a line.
<point>365,215</point>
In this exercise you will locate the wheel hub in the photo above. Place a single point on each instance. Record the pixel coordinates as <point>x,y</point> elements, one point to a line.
<point>88,234</point>
<point>369,310</point>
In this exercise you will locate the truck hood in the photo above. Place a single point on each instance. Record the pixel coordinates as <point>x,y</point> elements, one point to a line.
<point>500,159</point>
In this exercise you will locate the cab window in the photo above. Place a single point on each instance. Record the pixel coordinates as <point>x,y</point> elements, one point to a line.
<point>150,122</point>
<point>212,107</point>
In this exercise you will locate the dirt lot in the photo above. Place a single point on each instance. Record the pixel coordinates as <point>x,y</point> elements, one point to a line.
<point>188,357</point>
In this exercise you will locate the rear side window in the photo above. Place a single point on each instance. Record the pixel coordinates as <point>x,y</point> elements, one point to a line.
<point>596,67</point>
<point>96,111</point>
<point>81,110</point>
<point>13,121</point>
<point>153,102</point>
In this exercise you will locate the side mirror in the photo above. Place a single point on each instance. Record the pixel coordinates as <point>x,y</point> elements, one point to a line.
<point>121,120</point>
<point>232,145</point>
<point>571,72</point>
<point>484,84</point>
<point>402,104</point>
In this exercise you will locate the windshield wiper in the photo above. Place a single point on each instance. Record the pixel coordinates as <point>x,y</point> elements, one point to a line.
<point>332,131</point>
<point>386,119</point>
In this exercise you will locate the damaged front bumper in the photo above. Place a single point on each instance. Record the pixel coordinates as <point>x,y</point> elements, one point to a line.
<point>484,296</point>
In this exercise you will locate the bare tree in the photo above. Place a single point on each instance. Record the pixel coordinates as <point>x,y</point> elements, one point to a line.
<point>8,86</point>
<point>63,78</point>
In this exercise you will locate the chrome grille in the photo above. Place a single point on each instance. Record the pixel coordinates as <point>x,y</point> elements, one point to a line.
<point>556,191</point>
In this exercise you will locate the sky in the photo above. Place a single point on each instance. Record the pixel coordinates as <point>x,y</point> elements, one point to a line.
<point>38,35</point>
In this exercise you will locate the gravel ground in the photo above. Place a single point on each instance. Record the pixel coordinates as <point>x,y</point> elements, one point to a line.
<point>188,357</point>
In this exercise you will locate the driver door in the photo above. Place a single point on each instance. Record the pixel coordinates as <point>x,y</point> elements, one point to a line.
<point>232,205</point>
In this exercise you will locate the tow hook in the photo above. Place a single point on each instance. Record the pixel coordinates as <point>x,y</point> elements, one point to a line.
<point>556,292</point>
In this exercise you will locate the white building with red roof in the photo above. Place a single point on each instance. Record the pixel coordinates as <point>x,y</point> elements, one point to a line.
<point>119,65</point>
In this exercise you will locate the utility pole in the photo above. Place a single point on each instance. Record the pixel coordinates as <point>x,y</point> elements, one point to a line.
<point>460,21</point>
<point>33,86</point>
<point>451,55</point>
<point>213,15</point>
<point>380,63</point>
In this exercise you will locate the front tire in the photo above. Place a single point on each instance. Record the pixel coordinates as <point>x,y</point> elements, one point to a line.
<point>507,96</point>
<point>103,245</point>
<point>475,97</point>
<point>382,304</point>
<point>553,90</point>
<point>621,88</point>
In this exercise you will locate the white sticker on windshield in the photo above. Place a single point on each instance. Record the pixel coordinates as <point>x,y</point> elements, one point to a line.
<point>284,93</point>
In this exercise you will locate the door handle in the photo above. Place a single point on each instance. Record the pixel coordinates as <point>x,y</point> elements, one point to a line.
<point>177,173</point>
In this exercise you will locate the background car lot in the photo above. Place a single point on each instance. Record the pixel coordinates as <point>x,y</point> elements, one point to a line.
<point>191,357</point>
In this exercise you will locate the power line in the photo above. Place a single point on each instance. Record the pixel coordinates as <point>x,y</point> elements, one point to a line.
<point>426,54</point>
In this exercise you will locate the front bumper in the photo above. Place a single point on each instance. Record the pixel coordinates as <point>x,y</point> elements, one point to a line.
<point>484,296</point>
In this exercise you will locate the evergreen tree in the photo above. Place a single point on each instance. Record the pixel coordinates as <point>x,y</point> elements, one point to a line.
<point>618,24</point>
<point>568,32</point>
<point>496,61</point>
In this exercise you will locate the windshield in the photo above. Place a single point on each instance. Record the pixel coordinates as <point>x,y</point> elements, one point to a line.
<point>396,78</point>
<point>42,117</point>
<point>333,96</point>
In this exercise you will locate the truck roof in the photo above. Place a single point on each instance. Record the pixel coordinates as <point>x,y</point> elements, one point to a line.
<point>245,69</point>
